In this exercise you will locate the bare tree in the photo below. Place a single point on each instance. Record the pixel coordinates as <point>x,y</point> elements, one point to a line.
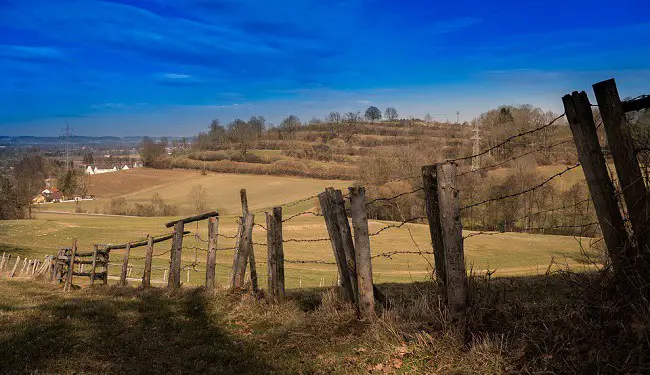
<point>390,114</point>
<point>372,114</point>
<point>290,124</point>
<point>334,118</point>
<point>428,119</point>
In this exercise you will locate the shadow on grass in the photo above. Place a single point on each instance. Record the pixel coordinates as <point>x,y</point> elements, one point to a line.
<point>129,332</point>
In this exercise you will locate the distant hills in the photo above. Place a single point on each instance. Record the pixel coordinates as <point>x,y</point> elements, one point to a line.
<point>27,140</point>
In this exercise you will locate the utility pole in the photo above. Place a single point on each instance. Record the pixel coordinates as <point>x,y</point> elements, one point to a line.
<point>66,144</point>
<point>476,163</point>
<point>458,117</point>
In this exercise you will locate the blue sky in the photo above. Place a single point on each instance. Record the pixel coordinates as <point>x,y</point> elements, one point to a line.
<point>167,67</point>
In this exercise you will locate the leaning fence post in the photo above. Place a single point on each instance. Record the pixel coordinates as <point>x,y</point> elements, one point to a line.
<point>13,271</point>
<point>174,280</point>
<point>92,270</point>
<point>452,239</point>
<point>211,261</point>
<point>621,145</point>
<point>327,207</point>
<point>275,260</point>
<point>148,259</point>
<point>125,264</point>
<point>362,253</point>
<point>73,254</point>
<point>5,266</point>
<point>430,186</point>
<point>601,189</point>
<point>346,240</point>
<point>243,252</point>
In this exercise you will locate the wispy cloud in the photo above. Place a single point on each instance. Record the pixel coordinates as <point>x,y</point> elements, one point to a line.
<point>31,53</point>
<point>452,25</point>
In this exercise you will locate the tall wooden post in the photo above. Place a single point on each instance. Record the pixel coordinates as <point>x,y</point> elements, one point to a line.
<point>2,263</point>
<point>275,262</point>
<point>628,171</point>
<point>94,264</point>
<point>107,254</point>
<point>452,239</point>
<point>148,260</point>
<point>346,239</point>
<point>430,185</point>
<point>603,194</point>
<point>174,279</point>
<point>251,256</point>
<point>73,255</point>
<point>211,261</point>
<point>125,265</point>
<point>243,253</point>
<point>363,255</point>
<point>327,207</point>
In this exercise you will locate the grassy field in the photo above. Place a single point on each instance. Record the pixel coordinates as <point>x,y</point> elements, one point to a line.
<point>510,254</point>
<point>139,185</point>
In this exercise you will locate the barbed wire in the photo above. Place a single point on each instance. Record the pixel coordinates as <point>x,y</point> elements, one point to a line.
<point>301,214</point>
<point>389,254</point>
<point>397,226</point>
<point>306,240</point>
<point>307,261</point>
<point>546,181</point>
<point>393,197</point>
<point>509,139</point>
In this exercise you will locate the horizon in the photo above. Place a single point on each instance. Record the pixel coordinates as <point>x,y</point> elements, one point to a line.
<point>125,68</point>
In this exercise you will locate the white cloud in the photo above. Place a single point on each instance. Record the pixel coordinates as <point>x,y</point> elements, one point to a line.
<point>176,76</point>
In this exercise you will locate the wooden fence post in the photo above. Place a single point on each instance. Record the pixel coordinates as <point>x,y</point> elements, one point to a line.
<point>2,263</point>
<point>92,270</point>
<point>275,260</point>
<point>13,271</point>
<point>6,261</point>
<point>251,256</point>
<point>362,252</point>
<point>211,261</point>
<point>107,254</point>
<point>148,259</point>
<point>73,254</point>
<point>601,189</point>
<point>243,252</point>
<point>628,171</point>
<point>125,265</point>
<point>452,239</point>
<point>327,207</point>
<point>430,186</point>
<point>346,240</point>
<point>174,279</point>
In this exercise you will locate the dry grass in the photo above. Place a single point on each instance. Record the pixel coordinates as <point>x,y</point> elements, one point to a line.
<point>547,324</point>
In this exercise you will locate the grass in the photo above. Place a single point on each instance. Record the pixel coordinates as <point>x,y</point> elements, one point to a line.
<point>542,324</point>
<point>139,185</point>
<point>510,254</point>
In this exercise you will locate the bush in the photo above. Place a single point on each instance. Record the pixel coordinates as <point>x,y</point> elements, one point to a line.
<point>157,207</point>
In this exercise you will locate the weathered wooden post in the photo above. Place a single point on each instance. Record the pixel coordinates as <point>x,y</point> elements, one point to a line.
<point>628,171</point>
<point>125,265</point>
<point>362,253</point>
<point>148,259</point>
<point>5,264</point>
<point>346,240</point>
<point>243,252</point>
<point>174,280</point>
<point>452,239</point>
<point>430,185</point>
<point>211,261</point>
<point>92,269</point>
<point>73,254</point>
<point>601,189</point>
<point>275,259</point>
<point>2,263</point>
<point>251,256</point>
<point>329,214</point>
<point>107,254</point>
<point>13,271</point>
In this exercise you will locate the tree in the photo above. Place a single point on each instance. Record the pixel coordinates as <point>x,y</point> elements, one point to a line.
<point>391,114</point>
<point>68,183</point>
<point>217,133</point>
<point>88,158</point>
<point>151,151</point>
<point>198,198</point>
<point>257,124</point>
<point>428,119</point>
<point>373,113</point>
<point>290,124</point>
<point>334,118</point>
<point>241,132</point>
